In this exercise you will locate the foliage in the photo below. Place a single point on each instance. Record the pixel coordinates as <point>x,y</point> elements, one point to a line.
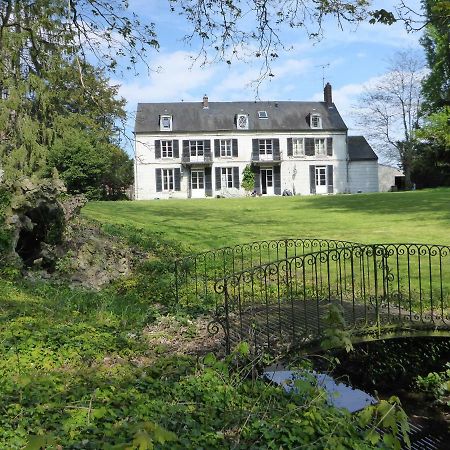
<point>248,178</point>
<point>236,30</point>
<point>436,384</point>
<point>242,220</point>
<point>432,163</point>
<point>436,85</point>
<point>53,100</point>
<point>390,109</point>
<point>5,198</point>
<point>431,166</point>
<point>76,371</point>
<point>335,334</point>
<point>383,364</point>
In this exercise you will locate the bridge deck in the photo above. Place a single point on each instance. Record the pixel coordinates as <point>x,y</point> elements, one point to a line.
<point>297,323</point>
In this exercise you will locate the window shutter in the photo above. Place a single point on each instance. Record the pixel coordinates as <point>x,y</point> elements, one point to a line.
<point>176,149</point>
<point>330,146</point>
<point>277,180</point>
<point>236,177</point>
<point>276,149</point>
<point>234,146</point>
<point>177,177</point>
<point>158,149</point>
<point>255,148</point>
<point>207,147</point>
<point>158,176</point>
<point>218,179</point>
<point>289,147</point>
<point>309,146</point>
<point>257,178</point>
<point>216,148</point>
<point>330,179</point>
<point>312,179</point>
<point>186,151</point>
<point>208,181</point>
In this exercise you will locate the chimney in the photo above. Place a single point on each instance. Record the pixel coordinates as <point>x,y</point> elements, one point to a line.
<point>327,95</point>
<point>205,102</point>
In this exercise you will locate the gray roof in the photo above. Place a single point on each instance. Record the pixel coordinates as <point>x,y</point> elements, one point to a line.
<point>220,116</point>
<point>360,150</point>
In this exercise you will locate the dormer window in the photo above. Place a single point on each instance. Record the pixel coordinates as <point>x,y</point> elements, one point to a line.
<point>242,122</point>
<point>262,115</point>
<point>316,121</point>
<point>165,123</point>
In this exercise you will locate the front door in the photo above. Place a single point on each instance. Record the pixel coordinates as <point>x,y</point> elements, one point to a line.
<point>267,181</point>
<point>321,180</point>
<point>197,183</point>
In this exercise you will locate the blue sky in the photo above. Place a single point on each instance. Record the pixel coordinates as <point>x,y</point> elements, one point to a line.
<point>356,57</point>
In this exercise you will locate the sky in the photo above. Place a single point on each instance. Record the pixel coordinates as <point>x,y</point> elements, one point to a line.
<point>350,59</point>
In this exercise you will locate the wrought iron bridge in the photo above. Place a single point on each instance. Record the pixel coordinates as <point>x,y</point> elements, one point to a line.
<point>276,294</point>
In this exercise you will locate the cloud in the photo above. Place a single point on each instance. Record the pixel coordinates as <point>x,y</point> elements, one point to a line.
<point>174,80</point>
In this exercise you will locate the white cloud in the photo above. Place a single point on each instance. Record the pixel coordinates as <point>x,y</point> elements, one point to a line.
<point>174,80</point>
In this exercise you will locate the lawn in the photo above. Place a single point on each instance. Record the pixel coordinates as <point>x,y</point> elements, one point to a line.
<point>419,216</point>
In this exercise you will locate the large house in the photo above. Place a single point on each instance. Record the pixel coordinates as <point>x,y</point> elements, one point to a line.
<point>196,150</point>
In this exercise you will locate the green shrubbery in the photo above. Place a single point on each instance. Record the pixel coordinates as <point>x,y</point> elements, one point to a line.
<point>76,371</point>
<point>5,198</point>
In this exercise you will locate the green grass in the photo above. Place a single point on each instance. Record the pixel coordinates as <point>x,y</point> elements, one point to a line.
<point>419,216</point>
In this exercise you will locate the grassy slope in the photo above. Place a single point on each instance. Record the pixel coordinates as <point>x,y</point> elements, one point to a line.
<point>420,216</point>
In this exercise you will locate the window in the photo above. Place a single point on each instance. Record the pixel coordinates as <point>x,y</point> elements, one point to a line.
<point>165,123</point>
<point>197,179</point>
<point>298,148</point>
<point>321,176</point>
<point>319,146</point>
<point>167,179</point>
<point>265,146</point>
<point>242,122</point>
<point>166,149</point>
<point>262,115</point>
<point>196,148</point>
<point>316,121</point>
<point>227,177</point>
<point>225,147</point>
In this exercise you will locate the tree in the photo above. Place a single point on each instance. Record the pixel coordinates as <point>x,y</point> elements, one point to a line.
<point>236,29</point>
<point>432,163</point>
<point>389,110</point>
<point>436,42</point>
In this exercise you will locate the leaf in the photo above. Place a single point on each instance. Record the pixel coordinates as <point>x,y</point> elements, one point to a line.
<point>36,443</point>
<point>98,413</point>
<point>162,435</point>
<point>209,359</point>
<point>373,437</point>
<point>143,441</point>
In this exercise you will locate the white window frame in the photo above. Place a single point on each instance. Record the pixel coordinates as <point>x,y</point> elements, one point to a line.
<point>226,148</point>
<point>168,179</point>
<point>316,121</point>
<point>242,121</point>
<point>166,149</point>
<point>199,179</point>
<point>265,146</point>
<point>165,123</point>
<point>320,146</point>
<point>298,147</point>
<point>321,176</point>
<point>197,148</point>
<point>226,177</point>
<point>262,115</point>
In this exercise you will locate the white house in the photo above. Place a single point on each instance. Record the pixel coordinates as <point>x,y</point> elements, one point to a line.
<point>195,150</point>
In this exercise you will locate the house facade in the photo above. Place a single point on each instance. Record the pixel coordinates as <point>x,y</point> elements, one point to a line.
<point>197,150</point>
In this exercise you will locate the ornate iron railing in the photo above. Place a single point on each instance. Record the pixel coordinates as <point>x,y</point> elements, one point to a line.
<point>382,288</point>
<point>195,275</point>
